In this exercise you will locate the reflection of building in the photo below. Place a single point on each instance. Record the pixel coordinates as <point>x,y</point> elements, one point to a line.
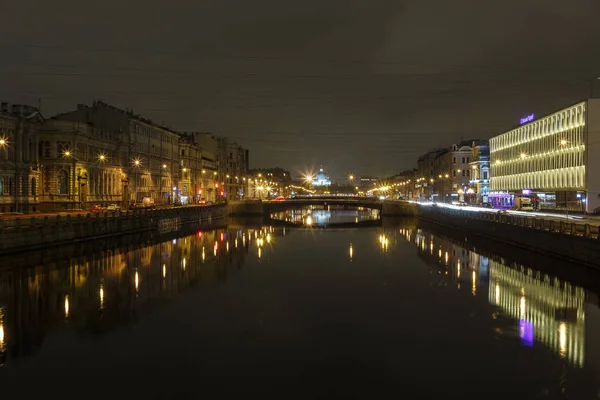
<point>101,290</point>
<point>548,311</point>
<point>321,179</point>
<point>555,158</point>
<point>544,309</point>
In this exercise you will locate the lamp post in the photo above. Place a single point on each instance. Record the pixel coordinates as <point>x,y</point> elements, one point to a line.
<point>137,163</point>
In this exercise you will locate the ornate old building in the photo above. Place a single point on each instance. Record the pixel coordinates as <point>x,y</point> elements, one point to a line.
<point>19,164</point>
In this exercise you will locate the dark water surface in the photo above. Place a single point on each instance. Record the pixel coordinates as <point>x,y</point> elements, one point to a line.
<point>305,313</point>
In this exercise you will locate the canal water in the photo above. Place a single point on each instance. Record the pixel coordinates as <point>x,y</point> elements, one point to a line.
<point>294,311</point>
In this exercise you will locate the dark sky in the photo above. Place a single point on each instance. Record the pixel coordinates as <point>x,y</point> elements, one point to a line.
<point>358,86</point>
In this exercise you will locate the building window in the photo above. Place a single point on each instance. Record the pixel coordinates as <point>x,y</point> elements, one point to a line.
<point>485,174</point>
<point>1,185</point>
<point>33,187</point>
<point>62,182</point>
<point>453,160</point>
<point>454,173</point>
<point>463,172</point>
<point>468,173</point>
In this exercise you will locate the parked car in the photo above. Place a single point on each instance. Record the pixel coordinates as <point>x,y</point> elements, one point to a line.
<point>113,207</point>
<point>97,208</point>
<point>279,198</point>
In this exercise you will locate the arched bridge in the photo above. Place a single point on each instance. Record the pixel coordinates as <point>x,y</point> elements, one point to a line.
<point>265,207</point>
<point>297,202</point>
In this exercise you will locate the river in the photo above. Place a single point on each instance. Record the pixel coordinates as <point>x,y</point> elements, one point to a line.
<point>303,310</point>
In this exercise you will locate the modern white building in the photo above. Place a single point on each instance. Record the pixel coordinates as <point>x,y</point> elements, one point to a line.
<point>554,159</point>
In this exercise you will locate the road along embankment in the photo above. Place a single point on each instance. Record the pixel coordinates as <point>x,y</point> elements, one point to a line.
<point>570,241</point>
<point>22,234</point>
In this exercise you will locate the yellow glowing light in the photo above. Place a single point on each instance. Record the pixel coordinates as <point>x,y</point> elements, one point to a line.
<point>3,142</point>
<point>474,286</point>
<point>203,171</point>
<point>183,263</point>
<point>203,254</point>
<point>268,238</point>
<point>137,280</point>
<point>67,153</point>
<point>445,176</point>
<point>523,155</point>
<point>1,335</point>
<point>563,142</point>
<point>66,305</point>
<point>562,331</point>
<point>440,253</point>
<point>165,270</point>
<point>497,292</point>
<point>259,252</point>
<point>446,258</point>
<point>522,306</point>
<point>458,269</point>
<point>215,248</point>
<point>101,157</point>
<point>227,246</point>
<point>350,177</point>
<point>235,243</point>
<point>137,162</point>
<point>498,162</point>
<point>309,220</point>
<point>164,166</point>
<point>351,251</point>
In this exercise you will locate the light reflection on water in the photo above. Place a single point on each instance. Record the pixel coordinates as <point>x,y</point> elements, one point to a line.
<point>101,291</point>
<point>318,215</point>
<point>544,309</point>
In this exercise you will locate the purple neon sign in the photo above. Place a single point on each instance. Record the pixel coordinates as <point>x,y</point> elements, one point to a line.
<point>527,119</point>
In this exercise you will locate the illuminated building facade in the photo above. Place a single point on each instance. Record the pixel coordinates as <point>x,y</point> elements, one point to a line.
<point>555,159</point>
<point>480,170</point>
<point>321,179</point>
<point>19,164</point>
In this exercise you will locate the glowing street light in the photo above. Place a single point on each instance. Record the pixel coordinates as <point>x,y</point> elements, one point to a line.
<point>67,153</point>
<point>3,142</point>
<point>563,142</point>
<point>164,166</point>
<point>137,162</point>
<point>523,155</point>
<point>351,177</point>
<point>102,157</point>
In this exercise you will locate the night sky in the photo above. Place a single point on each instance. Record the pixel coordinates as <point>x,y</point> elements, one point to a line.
<point>358,86</point>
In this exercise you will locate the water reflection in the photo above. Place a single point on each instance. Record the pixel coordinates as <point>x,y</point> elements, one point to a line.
<point>101,290</point>
<point>544,309</point>
<point>326,215</point>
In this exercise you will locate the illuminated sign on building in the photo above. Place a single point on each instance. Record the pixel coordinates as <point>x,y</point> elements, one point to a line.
<point>527,119</point>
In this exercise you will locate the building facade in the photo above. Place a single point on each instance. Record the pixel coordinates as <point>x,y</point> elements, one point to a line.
<point>554,159</point>
<point>233,165</point>
<point>19,164</point>
<point>480,170</point>
<point>80,166</point>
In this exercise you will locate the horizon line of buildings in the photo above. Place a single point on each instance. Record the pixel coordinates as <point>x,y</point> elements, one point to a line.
<point>101,154</point>
<point>553,159</point>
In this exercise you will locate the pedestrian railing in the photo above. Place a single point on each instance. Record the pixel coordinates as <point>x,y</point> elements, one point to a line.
<point>571,228</point>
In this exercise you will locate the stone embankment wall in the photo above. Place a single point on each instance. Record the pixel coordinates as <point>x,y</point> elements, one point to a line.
<point>22,234</point>
<point>567,240</point>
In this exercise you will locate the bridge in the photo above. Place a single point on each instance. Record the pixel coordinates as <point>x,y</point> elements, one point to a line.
<point>299,202</point>
<point>265,207</point>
